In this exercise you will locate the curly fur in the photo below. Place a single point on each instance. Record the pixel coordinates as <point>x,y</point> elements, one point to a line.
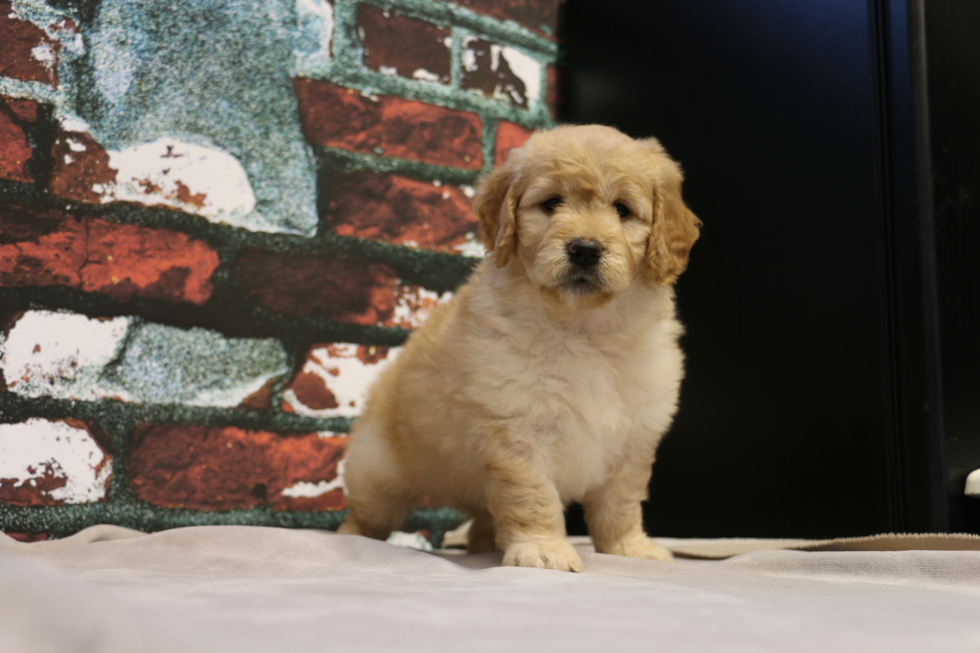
<point>541,383</point>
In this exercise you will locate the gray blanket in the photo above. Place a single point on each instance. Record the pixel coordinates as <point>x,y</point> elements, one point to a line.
<point>243,589</point>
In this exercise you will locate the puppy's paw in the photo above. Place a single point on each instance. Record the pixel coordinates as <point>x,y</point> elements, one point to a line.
<point>641,547</point>
<point>549,554</point>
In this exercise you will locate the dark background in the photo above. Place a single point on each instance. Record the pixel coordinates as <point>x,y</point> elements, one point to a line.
<point>831,304</point>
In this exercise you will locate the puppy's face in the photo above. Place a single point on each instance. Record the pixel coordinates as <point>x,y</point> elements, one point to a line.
<point>586,210</point>
<point>583,222</point>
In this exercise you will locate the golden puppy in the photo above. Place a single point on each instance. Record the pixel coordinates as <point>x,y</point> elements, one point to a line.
<point>553,373</point>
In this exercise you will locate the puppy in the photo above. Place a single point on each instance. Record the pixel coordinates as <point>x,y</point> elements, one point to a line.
<point>552,375</point>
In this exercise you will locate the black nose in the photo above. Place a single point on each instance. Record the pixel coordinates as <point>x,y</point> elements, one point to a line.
<point>584,253</point>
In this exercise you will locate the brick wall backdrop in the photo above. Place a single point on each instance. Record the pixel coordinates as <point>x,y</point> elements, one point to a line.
<point>218,222</point>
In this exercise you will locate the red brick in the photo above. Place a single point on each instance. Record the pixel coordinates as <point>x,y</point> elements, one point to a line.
<point>406,44</point>
<point>37,492</point>
<point>43,247</point>
<point>17,60</point>
<point>553,98</point>
<point>509,137</point>
<point>75,171</point>
<point>535,15</point>
<point>261,399</point>
<point>400,210</point>
<point>343,289</point>
<point>15,148</point>
<point>25,110</point>
<point>124,260</point>
<point>221,468</point>
<point>28,537</point>
<point>312,392</point>
<point>333,116</point>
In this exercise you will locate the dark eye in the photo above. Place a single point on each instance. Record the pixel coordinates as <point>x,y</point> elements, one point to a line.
<point>551,204</point>
<point>622,210</point>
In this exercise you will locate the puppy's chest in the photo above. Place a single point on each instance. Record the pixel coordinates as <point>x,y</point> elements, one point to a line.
<point>578,411</point>
<point>577,389</point>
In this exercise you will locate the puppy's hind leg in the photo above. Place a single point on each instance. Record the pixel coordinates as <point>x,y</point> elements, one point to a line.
<point>377,498</point>
<point>481,536</point>
<point>375,516</point>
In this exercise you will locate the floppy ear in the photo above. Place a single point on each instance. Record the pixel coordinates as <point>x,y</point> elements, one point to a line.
<point>496,206</point>
<point>675,227</point>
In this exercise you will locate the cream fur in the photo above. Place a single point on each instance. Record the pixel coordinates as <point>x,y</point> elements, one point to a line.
<point>536,386</point>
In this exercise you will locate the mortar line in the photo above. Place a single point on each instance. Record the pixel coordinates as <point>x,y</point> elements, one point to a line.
<point>455,58</point>
<point>15,408</point>
<point>62,520</point>
<point>372,83</point>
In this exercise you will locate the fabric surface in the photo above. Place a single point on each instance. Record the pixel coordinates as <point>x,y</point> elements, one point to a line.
<point>726,548</point>
<point>240,588</point>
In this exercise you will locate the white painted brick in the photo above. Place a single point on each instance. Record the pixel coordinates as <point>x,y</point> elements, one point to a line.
<point>414,304</point>
<point>39,453</point>
<point>341,368</point>
<point>409,540</point>
<point>205,181</point>
<point>60,354</point>
<point>525,68</point>
<point>344,374</point>
<point>528,69</point>
<point>69,356</point>
<point>197,367</point>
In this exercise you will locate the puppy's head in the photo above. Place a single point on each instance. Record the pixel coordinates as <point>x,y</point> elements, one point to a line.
<point>586,210</point>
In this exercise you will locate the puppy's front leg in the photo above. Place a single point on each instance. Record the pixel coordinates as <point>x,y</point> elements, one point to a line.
<point>615,517</point>
<point>527,511</point>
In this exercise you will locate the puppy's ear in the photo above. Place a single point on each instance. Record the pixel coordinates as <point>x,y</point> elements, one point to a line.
<point>496,205</point>
<point>675,227</point>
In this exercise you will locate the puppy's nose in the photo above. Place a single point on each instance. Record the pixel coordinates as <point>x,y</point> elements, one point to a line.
<point>584,253</point>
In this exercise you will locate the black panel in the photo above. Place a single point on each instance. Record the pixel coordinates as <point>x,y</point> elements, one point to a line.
<point>771,108</point>
<point>915,452</point>
<point>953,77</point>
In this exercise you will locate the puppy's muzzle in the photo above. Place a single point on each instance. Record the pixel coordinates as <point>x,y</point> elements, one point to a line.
<point>584,253</point>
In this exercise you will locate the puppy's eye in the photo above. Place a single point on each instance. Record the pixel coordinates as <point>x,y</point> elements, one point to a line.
<point>552,204</point>
<point>622,210</point>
